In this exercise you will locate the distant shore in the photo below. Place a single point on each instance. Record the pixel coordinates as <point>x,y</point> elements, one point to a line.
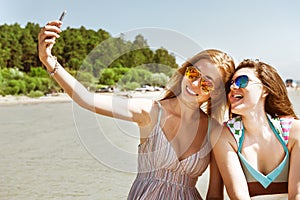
<point>294,95</point>
<point>13,100</point>
<point>63,97</point>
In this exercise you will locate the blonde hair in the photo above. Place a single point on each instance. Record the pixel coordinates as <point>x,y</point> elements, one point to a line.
<point>217,105</point>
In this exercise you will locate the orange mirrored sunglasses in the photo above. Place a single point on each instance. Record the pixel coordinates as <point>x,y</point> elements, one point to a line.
<point>206,84</point>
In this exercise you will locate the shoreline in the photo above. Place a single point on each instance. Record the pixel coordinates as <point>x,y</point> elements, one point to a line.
<point>64,97</point>
<point>15,100</point>
<point>294,96</point>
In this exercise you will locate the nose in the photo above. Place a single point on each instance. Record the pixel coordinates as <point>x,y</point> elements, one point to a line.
<point>233,86</point>
<point>196,82</point>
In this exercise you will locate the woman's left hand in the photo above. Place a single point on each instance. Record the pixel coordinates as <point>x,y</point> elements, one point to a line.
<point>46,39</point>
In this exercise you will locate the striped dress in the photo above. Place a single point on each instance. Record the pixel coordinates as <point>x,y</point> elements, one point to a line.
<point>161,175</point>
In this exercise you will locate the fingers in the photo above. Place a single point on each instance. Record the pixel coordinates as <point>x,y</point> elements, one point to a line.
<point>50,32</point>
<point>47,37</point>
<point>55,23</point>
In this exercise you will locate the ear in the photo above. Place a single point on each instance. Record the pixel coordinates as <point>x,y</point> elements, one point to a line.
<point>265,93</point>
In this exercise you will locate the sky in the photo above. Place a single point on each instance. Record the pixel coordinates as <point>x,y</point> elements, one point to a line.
<point>268,30</point>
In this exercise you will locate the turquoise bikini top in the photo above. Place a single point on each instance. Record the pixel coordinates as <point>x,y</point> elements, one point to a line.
<point>281,128</point>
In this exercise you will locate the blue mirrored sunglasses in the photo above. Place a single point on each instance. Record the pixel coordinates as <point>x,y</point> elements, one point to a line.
<point>240,81</point>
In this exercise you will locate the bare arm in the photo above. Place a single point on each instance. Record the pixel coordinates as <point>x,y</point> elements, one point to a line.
<point>136,110</point>
<point>229,165</point>
<point>294,175</point>
<point>216,186</point>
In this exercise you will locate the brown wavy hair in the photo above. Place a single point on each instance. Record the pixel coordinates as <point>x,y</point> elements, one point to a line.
<point>215,106</point>
<point>277,102</point>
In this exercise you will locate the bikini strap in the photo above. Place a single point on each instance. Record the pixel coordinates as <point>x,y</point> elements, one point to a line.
<point>237,129</point>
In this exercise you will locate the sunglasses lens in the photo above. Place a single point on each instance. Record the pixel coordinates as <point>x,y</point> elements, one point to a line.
<point>192,73</point>
<point>206,85</point>
<point>241,81</point>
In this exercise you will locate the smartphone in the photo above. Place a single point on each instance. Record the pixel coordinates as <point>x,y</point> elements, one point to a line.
<point>62,15</point>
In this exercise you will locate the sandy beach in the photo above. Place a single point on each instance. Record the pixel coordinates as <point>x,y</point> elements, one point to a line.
<point>52,149</point>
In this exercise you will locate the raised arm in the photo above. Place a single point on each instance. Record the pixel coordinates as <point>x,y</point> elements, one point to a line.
<point>136,110</point>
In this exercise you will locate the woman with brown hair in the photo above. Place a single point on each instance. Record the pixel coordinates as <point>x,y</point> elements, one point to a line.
<point>174,148</point>
<point>258,151</point>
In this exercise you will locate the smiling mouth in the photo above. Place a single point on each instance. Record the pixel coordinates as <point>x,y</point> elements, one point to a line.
<point>191,92</point>
<point>236,98</point>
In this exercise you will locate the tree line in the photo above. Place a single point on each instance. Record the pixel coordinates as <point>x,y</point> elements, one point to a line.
<point>94,57</point>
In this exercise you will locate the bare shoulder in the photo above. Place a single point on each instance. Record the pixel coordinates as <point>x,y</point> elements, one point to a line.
<point>220,133</point>
<point>141,104</point>
<point>216,128</point>
<point>144,110</point>
<point>296,124</point>
<point>148,120</point>
<point>295,130</point>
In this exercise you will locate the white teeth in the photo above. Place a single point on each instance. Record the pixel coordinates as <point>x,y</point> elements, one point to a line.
<point>190,91</point>
<point>238,96</point>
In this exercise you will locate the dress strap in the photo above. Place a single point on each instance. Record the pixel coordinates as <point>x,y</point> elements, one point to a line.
<point>160,112</point>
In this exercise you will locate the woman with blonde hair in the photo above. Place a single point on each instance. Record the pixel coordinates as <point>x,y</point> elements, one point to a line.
<point>174,148</point>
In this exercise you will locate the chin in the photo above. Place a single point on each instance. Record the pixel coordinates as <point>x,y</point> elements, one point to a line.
<point>237,111</point>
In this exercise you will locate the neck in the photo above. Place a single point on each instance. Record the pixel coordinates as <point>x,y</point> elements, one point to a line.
<point>255,122</point>
<point>187,111</point>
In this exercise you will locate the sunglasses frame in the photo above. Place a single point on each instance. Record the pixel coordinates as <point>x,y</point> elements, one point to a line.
<point>203,81</point>
<point>237,81</point>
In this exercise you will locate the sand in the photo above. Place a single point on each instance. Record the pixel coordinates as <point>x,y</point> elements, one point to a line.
<point>52,149</point>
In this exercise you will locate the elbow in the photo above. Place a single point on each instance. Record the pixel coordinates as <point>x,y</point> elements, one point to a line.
<point>220,197</point>
<point>239,195</point>
<point>85,100</point>
<point>294,197</point>
<point>294,190</point>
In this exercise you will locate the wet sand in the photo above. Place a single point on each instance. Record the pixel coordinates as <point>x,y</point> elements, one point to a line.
<point>56,150</point>
<point>42,157</point>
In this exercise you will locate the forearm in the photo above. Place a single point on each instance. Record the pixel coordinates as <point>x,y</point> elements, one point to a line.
<point>103,105</point>
<point>216,186</point>
<point>70,85</point>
